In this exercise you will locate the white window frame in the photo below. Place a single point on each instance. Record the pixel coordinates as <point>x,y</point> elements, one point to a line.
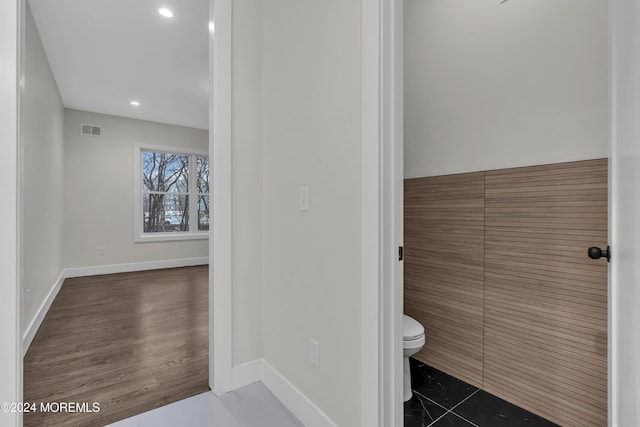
<point>139,235</point>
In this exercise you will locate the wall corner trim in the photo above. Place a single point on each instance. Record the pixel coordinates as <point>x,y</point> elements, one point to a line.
<point>288,394</point>
<point>297,402</point>
<point>245,374</point>
<point>33,327</point>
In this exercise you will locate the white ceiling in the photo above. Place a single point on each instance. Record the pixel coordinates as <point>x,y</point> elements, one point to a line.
<point>105,53</point>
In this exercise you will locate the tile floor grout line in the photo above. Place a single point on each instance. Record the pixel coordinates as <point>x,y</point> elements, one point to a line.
<point>427,411</point>
<point>432,401</point>
<point>460,416</point>
<point>448,411</point>
<point>440,417</point>
<point>464,400</point>
<point>461,402</point>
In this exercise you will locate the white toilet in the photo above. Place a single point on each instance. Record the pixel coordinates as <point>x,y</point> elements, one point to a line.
<point>413,341</point>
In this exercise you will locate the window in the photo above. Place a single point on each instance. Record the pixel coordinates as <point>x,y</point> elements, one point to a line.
<point>172,194</point>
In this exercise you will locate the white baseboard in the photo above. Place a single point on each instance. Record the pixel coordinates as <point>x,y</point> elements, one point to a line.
<point>136,266</point>
<point>33,327</point>
<point>30,333</point>
<point>245,374</point>
<point>291,397</point>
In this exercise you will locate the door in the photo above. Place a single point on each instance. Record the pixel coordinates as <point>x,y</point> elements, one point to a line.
<point>624,271</point>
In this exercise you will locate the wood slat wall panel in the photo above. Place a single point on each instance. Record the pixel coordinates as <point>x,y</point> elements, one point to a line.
<point>545,335</point>
<point>444,270</point>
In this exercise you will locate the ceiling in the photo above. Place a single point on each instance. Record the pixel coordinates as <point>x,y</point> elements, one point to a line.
<point>106,53</point>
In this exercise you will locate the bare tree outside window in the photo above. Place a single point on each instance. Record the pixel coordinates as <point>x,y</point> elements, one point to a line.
<point>203,193</point>
<point>165,180</point>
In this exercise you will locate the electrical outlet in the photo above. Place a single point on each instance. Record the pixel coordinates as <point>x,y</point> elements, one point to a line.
<point>314,352</point>
<point>28,296</point>
<point>102,250</point>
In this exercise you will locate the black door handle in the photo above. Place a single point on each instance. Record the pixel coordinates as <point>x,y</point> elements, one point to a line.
<point>596,253</point>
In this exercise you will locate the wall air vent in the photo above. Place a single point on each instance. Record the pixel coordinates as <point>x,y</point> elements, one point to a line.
<point>90,130</point>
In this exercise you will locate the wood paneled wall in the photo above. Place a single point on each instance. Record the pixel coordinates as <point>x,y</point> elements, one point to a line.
<point>545,345</point>
<point>543,302</point>
<point>444,270</point>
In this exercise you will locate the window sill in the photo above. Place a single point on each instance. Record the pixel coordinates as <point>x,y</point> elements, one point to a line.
<point>168,237</point>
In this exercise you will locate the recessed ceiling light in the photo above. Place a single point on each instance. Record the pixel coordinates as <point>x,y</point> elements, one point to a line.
<point>135,103</point>
<point>165,12</point>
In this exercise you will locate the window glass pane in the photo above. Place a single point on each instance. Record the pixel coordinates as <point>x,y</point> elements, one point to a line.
<point>203,175</point>
<point>165,172</point>
<point>203,213</point>
<point>164,213</point>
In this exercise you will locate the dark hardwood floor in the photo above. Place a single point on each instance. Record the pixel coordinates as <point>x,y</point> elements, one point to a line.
<point>130,342</point>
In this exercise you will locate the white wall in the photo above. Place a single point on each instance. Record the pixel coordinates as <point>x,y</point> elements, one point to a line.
<point>98,196</point>
<point>311,137</point>
<point>247,180</point>
<point>43,121</point>
<point>490,85</point>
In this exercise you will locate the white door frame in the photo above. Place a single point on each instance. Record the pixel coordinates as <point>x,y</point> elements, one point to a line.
<point>382,212</point>
<point>220,241</point>
<point>624,233</point>
<point>11,40</point>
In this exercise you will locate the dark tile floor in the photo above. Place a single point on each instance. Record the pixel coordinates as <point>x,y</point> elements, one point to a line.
<point>441,400</point>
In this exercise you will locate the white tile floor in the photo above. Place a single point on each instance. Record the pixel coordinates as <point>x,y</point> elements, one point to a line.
<point>249,406</point>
